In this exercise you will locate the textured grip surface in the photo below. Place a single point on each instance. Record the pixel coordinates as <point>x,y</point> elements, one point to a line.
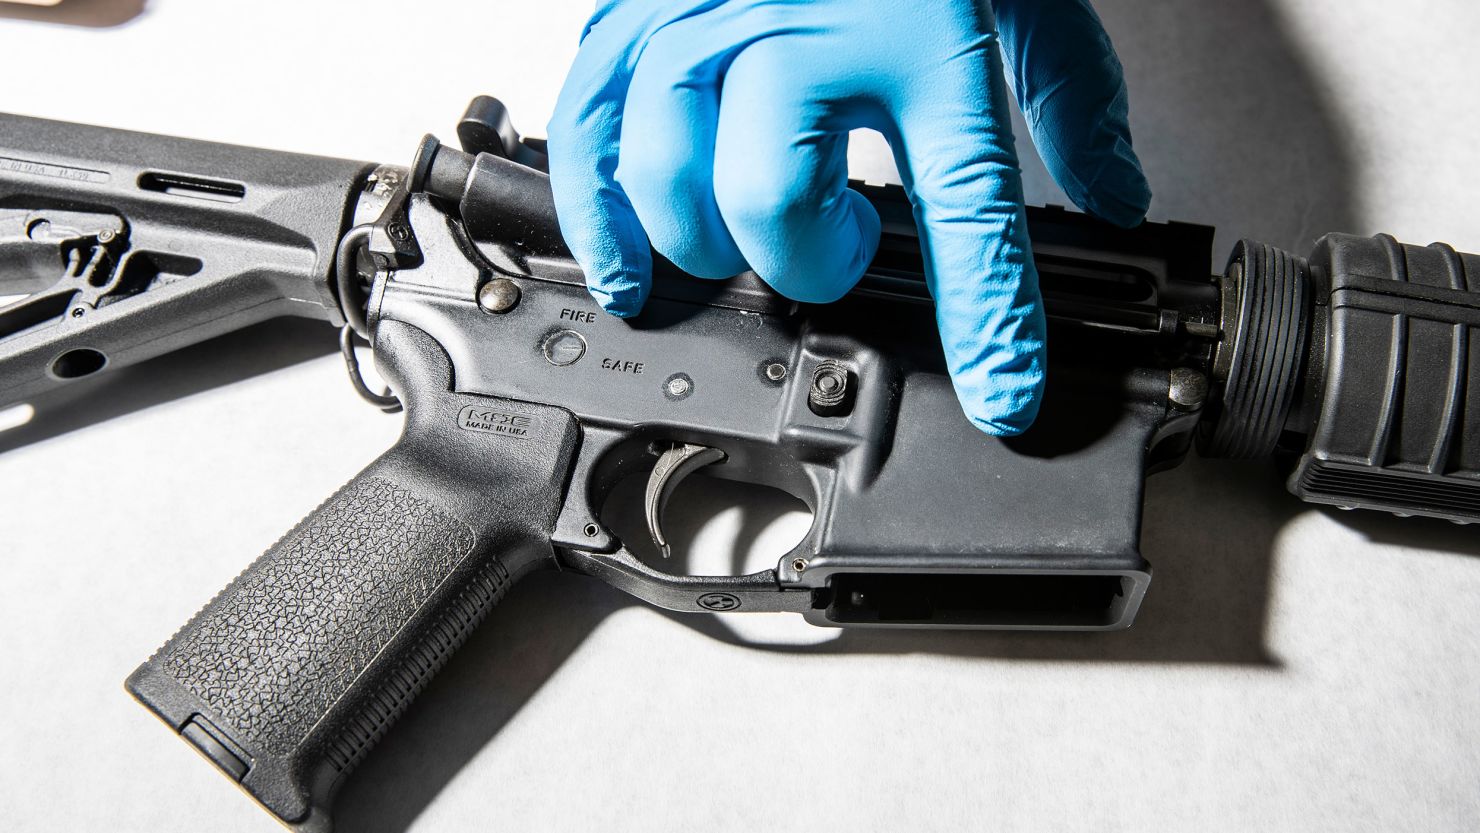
<point>288,638</point>
<point>289,676</point>
<point>293,671</point>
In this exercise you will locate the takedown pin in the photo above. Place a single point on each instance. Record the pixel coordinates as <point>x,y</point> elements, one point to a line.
<point>673,466</point>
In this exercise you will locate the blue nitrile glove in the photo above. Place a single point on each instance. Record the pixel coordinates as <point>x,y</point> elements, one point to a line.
<point>718,131</point>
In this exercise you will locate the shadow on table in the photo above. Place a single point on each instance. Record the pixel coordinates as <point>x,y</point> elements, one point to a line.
<point>259,349</point>
<point>1418,533</point>
<point>97,14</point>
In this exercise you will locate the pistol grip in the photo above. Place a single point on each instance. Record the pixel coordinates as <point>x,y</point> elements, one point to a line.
<point>288,677</point>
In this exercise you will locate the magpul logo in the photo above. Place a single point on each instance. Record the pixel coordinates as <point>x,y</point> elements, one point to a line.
<point>474,418</point>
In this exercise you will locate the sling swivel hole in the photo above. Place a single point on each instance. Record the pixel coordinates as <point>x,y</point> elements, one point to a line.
<point>74,364</point>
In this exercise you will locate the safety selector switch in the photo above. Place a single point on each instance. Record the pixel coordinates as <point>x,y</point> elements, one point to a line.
<point>833,387</point>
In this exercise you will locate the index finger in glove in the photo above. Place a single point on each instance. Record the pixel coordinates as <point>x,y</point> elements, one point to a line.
<point>958,161</point>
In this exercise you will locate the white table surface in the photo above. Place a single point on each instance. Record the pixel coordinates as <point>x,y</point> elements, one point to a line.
<point>1292,669</point>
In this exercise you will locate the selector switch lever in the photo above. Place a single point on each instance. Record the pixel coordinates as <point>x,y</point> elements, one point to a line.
<point>673,466</point>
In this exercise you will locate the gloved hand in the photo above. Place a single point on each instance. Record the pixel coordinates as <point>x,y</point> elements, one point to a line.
<point>717,130</point>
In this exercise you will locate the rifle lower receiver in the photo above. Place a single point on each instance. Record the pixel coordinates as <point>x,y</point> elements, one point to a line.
<point>525,405</point>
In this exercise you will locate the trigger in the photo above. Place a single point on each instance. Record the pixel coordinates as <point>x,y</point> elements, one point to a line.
<point>673,466</point>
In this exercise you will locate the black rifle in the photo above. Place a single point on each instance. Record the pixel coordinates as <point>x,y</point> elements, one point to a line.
<point>1359,366</point>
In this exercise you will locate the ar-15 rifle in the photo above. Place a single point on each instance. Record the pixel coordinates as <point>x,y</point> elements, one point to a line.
<point>1360,365</point>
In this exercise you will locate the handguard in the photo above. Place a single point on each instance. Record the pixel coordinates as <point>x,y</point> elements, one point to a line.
<point>1359,366</point>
